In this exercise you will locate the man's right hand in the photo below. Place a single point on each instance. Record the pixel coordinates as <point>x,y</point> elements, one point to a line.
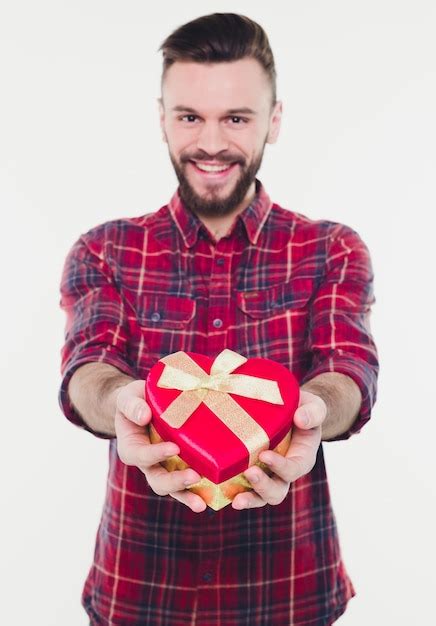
<point>132,414</point>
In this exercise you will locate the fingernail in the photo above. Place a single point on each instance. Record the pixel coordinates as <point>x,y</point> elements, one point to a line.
<point>170,451</point>
<point>254,478</point>
<point>140,415</point>
<point>305,419</point>
<point>199,507</point>
<point>192,480</point>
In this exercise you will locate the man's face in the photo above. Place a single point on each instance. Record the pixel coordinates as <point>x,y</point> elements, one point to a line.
<point>216,119</point>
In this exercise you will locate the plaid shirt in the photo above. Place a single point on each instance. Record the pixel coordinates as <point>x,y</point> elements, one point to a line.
<point>280,286</point>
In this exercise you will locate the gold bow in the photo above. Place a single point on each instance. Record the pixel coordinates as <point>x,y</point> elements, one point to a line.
<point>197,386</point>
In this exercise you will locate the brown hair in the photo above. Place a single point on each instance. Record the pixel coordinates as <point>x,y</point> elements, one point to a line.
<point>220,37</point>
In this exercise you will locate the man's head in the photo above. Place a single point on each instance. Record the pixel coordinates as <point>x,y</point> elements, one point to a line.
<point>218,109</point>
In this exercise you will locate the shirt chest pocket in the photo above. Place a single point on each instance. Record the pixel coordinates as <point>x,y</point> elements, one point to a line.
<point>165,311</point>
<point>264,303</point>
<point>274,322</point>
<point>164,322</point>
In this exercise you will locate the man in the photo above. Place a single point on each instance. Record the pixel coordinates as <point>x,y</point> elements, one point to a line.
<point>220,266</point>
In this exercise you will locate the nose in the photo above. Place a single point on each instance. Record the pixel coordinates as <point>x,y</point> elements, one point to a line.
<point>212,138</point>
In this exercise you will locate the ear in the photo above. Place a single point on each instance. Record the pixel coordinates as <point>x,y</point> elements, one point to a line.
<point>275,122</point>
<point>162,118</point>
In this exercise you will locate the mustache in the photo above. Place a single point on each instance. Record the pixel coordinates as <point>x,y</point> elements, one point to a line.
<point>202,156</point>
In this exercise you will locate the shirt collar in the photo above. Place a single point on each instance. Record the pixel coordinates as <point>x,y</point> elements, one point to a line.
<point>253,217</point>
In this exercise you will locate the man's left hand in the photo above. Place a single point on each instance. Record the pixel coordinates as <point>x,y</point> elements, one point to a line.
<point>298,461</point>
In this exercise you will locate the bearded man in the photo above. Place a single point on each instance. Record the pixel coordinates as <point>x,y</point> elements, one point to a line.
<point>219,266</point>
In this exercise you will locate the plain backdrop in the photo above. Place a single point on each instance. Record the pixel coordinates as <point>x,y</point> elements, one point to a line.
<point>80,144</point>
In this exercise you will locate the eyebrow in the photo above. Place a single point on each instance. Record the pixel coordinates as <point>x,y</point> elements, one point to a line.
<point>242,110</point>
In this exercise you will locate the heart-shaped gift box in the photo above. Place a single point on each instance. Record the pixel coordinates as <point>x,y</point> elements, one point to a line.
<point>221,413</point>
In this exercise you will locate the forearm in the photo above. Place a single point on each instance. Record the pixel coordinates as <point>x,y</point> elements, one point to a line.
<point>342,397</point>
<point>92,392</point>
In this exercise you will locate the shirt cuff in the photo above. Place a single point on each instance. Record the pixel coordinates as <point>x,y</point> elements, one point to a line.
<point>363,375</point>
<point>89,356</point>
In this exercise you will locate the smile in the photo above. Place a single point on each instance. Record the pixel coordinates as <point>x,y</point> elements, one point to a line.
<point>210,170</point>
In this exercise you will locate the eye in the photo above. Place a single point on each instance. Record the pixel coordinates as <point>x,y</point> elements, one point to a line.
<point>237,120</point>
<point>189,117</point>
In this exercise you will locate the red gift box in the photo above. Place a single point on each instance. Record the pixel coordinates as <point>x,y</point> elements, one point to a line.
<point>221,412</point>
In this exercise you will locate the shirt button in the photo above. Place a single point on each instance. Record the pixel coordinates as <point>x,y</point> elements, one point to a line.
<point>155,317</point>
<point>217,322</point>
<point>220,260</point>
<point>207,577</point>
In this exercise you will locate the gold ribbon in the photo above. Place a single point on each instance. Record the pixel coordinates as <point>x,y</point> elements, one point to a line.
<point>197,386</point>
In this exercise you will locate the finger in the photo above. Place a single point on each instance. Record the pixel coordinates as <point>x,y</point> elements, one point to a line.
<point>300,456</point>
<point>134,447</point>
<point>192,500</point>
<point>126,428</point>
<point>132,404</point>
<point>272,490</point>
<point>247,500</point>
<point>164,482</point>
<point>311,412</point>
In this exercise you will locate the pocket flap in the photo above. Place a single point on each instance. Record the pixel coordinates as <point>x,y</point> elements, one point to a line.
<point>165,311</point>
<point>294,294</point>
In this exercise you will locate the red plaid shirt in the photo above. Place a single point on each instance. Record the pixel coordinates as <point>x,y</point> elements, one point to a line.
<point>280,286</point>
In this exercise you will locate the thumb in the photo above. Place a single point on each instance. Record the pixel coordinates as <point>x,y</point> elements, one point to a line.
<point>311,413</point>
<point>131,403</point>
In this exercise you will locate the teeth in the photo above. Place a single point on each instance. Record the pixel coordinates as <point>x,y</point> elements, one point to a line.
<point>212,168</point>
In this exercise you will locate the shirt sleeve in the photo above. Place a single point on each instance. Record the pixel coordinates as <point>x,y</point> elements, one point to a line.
<point>96,327</point>
<point>340,337</point>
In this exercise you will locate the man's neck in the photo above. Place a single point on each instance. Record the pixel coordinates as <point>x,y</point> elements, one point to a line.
<point>220,225</point>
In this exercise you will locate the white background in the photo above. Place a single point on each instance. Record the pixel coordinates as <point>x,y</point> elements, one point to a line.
<point>80,144</point>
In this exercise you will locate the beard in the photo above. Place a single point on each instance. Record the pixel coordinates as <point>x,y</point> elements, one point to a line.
<point>214,205</point>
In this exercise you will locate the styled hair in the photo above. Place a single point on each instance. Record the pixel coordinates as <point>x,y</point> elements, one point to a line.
<point>220,37</point>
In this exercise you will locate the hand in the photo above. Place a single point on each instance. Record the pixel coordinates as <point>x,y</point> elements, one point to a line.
<point>298,461</point>
<point>132,414</point>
